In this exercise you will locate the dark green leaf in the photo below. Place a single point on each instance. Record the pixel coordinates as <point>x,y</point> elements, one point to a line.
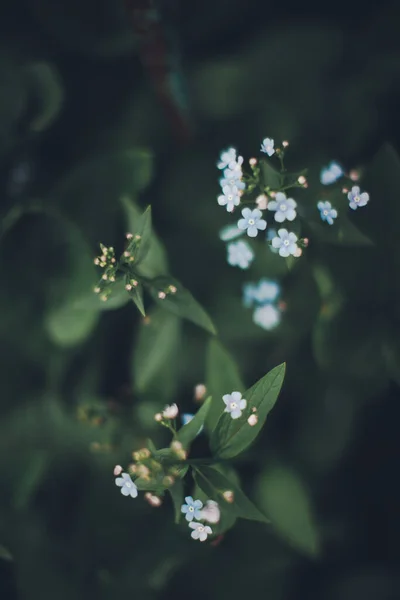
<point>29,480</point>
<point>47,90</point>
<point>342,232</point>
<point>214,484</point>
<point>144,230</point>
<point>286,501</point>
<point>155,359</point>
<point>136,295</point>
<point>188,432</point>
<point>118,298</point>
<point>68,326</point>
<point>272,179</point>
<point>180,303</point>
<point>233,436</point>
<point>222,377</point>
<point>176,492</point>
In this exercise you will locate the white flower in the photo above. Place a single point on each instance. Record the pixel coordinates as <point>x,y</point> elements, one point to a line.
<point>240,254</point>
<point>128,488</point>
<point>211,512</point>
<point>234,404</point>
<point>284,208</point>
<point>201,532</point>
<point>170,411</point>
<point>267,146</point>
<point>267,316</point>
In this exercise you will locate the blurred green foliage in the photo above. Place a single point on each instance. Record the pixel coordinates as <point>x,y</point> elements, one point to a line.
<point>84,147</point>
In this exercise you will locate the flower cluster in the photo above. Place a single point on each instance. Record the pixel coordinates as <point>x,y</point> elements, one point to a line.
<point>231,183</point>
<point>195,512</point>
<point>263,296</point>
<point>107,262</point>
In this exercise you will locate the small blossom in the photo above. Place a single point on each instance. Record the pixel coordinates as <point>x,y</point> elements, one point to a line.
<point>285,143</point>
<point>327,213</point>
<point>284,208</point>
<point>201,532</point>
<point>234,404</point>
<point>234,170</point>
<point>252,162</point>
<point>331,173</point>
<point>173,289</point>
<point>230,197</point>
<point>117,470</point>
<point>226,157</point>
<point>200,391</point>
<point>162,295</point>
<point>229,232</point>
<point>262,201</point>
<point>192,508</point>
<point>128,488</point>
<point>267,316</point>
<point>266,290</point>
<point>267,146</point>
<point>228,496</point>
<point>285,242</point>
<point>302,180</point>
<point>158,417</point>
<point>252,420</point>
<point>153,500</point>
<point>232,181</point>
<point>240,254</point>
<point>211,512</point>
<point>252,222</point>
<point>357,199</point>
<point>170,411</point>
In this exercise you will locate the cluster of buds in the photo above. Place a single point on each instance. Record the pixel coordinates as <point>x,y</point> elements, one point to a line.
<point>178,450</point>
<point>134,241</point>
<point>108,263</point>
<point>170,289</point>
<point>170,412</point>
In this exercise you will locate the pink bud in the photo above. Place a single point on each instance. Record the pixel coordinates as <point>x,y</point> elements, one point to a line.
<point>96,261</point>
<point>126,253</point>
<point>252,420</point>
<point>285,144</point>
<point>128,287</point>
<point>298,252</point>
<point>282,305</point>
<point>229,496</point>
<point>118,470</point>
<point>306,242</point>
<point>345,190</point>
<point>129,236</point>
<point>158,417</point>
<point>262,201</point>
<point>153,500</point>
<point>105,277</point>
<point>172,289</point>
<point>97,290</point>
<point>161,295</point>
<point>199,392</point>
<point>253,162</point>
<point>302,180</point>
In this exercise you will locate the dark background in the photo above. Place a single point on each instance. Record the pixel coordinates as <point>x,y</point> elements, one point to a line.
<point>75,96</point>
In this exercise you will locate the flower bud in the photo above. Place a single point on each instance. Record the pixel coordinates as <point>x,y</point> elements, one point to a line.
<point>252,162</point>
<point>168,481</point>
<point>298,252</point>
<point>229,496</point>
<point>143,471</point>
<point>118,470</point>
<point>176,446</point>
<point>199,392</point>
<point>129,236</point>
<point>262,201</point>
<point>128,287</point>
<point>153,500</point>
<point>170,411</point>
<point>132,469</point>
<point>252,420</point>
<point>97,290</point>
<point>162,295</point>
<point>211,512</point>
<point>172,289</point>
<point>158,417</point>
<point>302,180</point>
<point>285,144</point>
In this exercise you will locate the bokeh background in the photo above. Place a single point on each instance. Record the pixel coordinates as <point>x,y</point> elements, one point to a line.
<point>93,108</point>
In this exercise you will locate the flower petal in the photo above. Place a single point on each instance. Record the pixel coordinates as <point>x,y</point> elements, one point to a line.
<point>235,414</point>
<point>198,504</point>
<point>252,231</point>
<point>279,216</point>
<point>194,525</point>
<point>272,205</point>
<point>284,251</point>
<point>236,396</point>
<point>203,536</point>
<point>261,225</point>
<point>242,404</point>
<point>195,534</point>
<point>291,214</point>
<point>246,213</point>
<point>226,398</point>
<point>242,224</point>
<point>276,242</point>
<point>119,481</point>
<point>125,491</point>
<point>256,214</point>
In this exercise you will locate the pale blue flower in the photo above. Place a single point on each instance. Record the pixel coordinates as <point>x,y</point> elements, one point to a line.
<point>327,213</point>
<point>356,199</point>
<point>192,508</point>
<point>267,316</point>
<point>230,197</point>
<point>200,531</point>
<point>232,181</point>
<point>285,242</point>
<point>226,157</point>
<point>240,254</point>
<point>249,291</point>
<point>234,169</point>
<point>234,404</point>
<point>252,221</point>
<point>128,488</point>
<point>284,207</point>
<point>331,173</point>
<point>271,233</point>
<point>229,232</point>
<point>266,291</point>
<point>267,146</point>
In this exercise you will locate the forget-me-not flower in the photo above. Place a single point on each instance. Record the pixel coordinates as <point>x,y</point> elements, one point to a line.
<point>230,197</point>
<point>356,199</point>
<point>232,181</point>
<point>229,232</point>
<point>249,291</point>
<point>331,173</point>
<point>284,207</point>
<point>192,508</point>
<point>128,488</point>
<point>252,221</point>
<point>234,404</point>
<point>267,146</point>
<point>240,254</point>
<point>234,169</point>
<point>200,531</point>
<point>286,243</point>
<point>327,212</point>
<point>226,157</point>
<point>266,291</point>
<point>271,233</point>
<point>267,316</point>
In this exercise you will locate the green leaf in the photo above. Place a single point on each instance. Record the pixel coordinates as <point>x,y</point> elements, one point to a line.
<point>151,446</point>
<point>222,377</point>
<point>46,88</point>
<point>29,480</point>
<point>155,358</point>
<point>118,298</point>
<point>188,432</point>
<point>176,492</point>
<point>67,326</point>
<point>285,499</point>
<point>155,262</point>
<point>180,303</point>
<point>232,436</point>
<point>214,484</point>
<point>144,230</point>
<point>342,232</point>
<point>272,179</point>
<point>136,295</point>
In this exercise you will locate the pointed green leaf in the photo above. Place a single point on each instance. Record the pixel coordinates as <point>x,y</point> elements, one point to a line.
<point>46,88</point>
<point>143,228</point>
<point>176,492</point>
<point>285,499</point>
<point>214,484</point>
<point>188,432</point>
<point>342,232</point>
<point>67,326</point>
<point>156,354</point>
<point>272,179</point>
<point>180,303</point>
<point>233,436</point>
<point>151,446</point>
<point>28,482</point>
<point>118,298</point>
<point>222,377</point>
<point>136,295</point>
